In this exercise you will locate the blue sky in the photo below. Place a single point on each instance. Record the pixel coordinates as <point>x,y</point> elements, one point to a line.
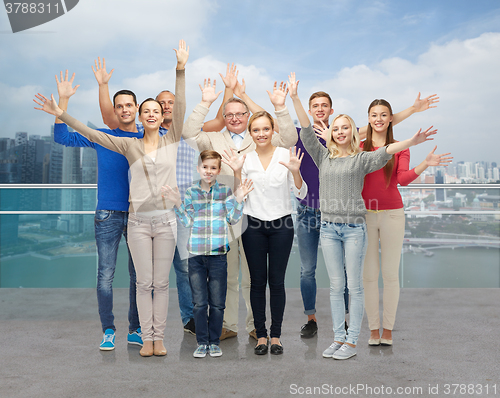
<point>355,50</point>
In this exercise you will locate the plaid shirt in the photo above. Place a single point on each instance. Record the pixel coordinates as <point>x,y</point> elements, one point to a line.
<point>208,215</point>
<point>185,162</point>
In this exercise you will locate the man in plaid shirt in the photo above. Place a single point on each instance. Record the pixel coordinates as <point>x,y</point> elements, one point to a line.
<point>208,207</point>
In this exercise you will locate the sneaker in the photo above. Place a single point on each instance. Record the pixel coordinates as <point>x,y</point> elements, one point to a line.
<point>108,340</point>
<point>309,329</point>
<point>135,337</point>
<point>215,351</point>
<point>201,351</point>
<point>190,328</point>
<point>328,353</point>
<point>344,352</point>
<point>227,333</point>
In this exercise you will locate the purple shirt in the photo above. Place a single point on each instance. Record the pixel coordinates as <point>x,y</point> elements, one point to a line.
<point>310,174</point>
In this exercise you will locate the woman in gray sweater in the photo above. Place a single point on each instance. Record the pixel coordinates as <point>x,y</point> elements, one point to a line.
<point>342,169</point>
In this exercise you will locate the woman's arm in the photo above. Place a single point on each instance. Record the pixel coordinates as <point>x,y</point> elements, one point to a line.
<point>418,138</point>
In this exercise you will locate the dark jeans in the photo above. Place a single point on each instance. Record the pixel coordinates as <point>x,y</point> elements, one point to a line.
<point>109,227</point>
<point>208,279</point>
<point>267,247</point>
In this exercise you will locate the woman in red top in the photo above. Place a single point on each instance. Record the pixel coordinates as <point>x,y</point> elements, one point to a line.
<point>385,220</point>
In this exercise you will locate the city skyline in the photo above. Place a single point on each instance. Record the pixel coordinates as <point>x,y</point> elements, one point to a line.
<point>356,50</point>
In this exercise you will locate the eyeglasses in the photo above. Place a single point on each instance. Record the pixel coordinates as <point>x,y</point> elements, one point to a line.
<point>238,115</point>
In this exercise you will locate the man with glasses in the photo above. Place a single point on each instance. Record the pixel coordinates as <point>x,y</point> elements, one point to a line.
<point>234,137</point>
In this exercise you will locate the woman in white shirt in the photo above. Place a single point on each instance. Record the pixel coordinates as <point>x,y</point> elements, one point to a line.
<point>268,237</point>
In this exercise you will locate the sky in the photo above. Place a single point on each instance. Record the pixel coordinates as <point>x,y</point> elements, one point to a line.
<point>355,50</point>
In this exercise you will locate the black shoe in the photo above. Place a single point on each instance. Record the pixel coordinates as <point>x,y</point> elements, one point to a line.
<point>277,349</point>
<point>346,326</point>
<point>309,329</point>
<point>190,328</point>
<point>261,349</point>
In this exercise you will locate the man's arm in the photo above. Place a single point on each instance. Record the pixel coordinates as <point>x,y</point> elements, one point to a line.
<point>419,105</point>
<point>288,133</point>
<point>230,81</point>
<point>107,110</point>
<point>179,110</point>
<point>65,90</point>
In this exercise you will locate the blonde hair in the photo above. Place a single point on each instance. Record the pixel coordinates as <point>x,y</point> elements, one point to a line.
<point>332,145</point>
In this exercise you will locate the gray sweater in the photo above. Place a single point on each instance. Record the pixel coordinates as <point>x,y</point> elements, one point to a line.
<point>341,179</point>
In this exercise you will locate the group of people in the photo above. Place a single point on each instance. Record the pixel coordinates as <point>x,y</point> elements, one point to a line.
<point>238,216</point>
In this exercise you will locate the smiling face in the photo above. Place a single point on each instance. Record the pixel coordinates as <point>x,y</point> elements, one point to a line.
<point>261,131</point>
<point>342,132</point>
<point>151,115</point>
<point>125,109</point>
<point>234,124</point>
<point>379,117</point>
<point>320,109</point>
<point>209,169</point>
<point>166,99</point>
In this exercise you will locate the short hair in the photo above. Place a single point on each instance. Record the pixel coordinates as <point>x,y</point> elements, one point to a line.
<point>209,154</point>
<point>332,145</point>
<point>164,91</point>
<point>259,114</point>
<point>319,94</point>
<point>124,92</point>
<point>149,100</point>
<point>234,100</point>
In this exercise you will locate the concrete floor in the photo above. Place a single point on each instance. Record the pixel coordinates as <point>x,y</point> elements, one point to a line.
<point>442,336</point>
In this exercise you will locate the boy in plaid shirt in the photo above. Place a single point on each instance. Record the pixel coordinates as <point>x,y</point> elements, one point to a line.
<point>207,209</point>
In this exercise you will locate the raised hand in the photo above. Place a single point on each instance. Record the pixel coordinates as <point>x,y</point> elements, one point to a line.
<point>182,55</point>
<point>49,106</point>
<point>171,194</point>
<point>278,96</point>
<point>232,160</point>
<point>100,73</point>
<point>231,78</point>
<point>239,89</point>
<point>422,136</point>
<point>438,160</point>
<point>208,94</point>
<point>323,131</point>
<point>292,85</point>
<point>65,87</point>
<point>295,160</point>
<point>425,103</point>
<point>243,189</point>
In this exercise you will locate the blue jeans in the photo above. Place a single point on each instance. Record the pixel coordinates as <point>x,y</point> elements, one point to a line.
<point>308,227</point>
<point>344,247</point>
<point>109,227</point>
<point>208,278</point>
<point>181,272</point>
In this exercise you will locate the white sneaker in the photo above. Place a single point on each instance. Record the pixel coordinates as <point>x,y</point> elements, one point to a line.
<point>344,352</point>
<point>328,353</point>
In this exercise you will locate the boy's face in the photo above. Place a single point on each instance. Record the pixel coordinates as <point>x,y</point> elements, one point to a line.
<point>209,169</point>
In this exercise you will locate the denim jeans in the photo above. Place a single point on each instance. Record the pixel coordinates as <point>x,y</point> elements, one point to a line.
<point>181,272</point>
<point>109,227</point>
<point>267,247</point>
<point>344,246</point>
<point>208,278</point>
<point>308,227</point>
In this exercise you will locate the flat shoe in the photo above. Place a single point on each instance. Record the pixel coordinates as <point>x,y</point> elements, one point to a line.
<point>386,341</point>
<point>276,349</point>
<point>147,349</point>
<point>159,348</point>
<point>374,342</point>
<point>261,349</point>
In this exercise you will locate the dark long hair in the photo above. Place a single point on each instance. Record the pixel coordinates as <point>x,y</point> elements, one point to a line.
<point>389,139</point>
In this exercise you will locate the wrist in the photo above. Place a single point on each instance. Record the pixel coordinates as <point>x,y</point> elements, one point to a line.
<point>103,84</point>
<point>206,104</point>
<point>278,108</point>
<point>180,66</point>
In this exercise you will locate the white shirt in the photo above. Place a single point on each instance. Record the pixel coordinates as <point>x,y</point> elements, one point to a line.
<point>270,198</point>
<point>238,138</point>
